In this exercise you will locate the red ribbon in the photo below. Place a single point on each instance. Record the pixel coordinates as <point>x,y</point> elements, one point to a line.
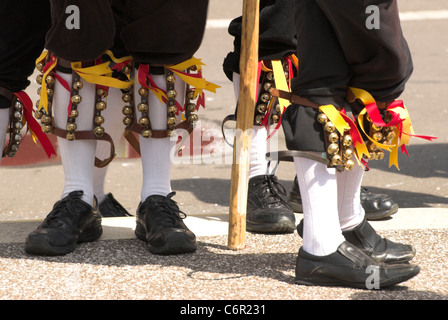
<point>32,124</point>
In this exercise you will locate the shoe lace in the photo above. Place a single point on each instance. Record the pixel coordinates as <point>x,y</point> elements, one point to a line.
<point>272,191</point>
<point>169,211</point>
<point>62,209</point>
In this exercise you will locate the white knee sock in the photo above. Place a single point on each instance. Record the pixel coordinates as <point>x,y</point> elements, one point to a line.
<point>351,212</point>
<point>258,165</point>
<point>114,126</point>
<point>318,188</point>
<point>78,156</point>
<point>4,122</point>
<point>156,153</point>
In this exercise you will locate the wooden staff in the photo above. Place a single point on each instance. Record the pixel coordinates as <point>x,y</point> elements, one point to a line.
<point>244,124</point>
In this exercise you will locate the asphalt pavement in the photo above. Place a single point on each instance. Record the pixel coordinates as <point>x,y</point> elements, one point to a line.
<point>118,266</point>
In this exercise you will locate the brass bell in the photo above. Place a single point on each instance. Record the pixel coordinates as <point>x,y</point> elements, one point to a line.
<point>275,118</point>
<point>126,110</point>
<point>377,136</point>
<point>267,86</point>
<point>100,105</point>
<point>171,133</point>
<point>270,76</point>
<point>278,108</point>
<point>372,147</point>
<point>40,66</point>
<point>372,155</point>
<point>76,99</point>
<point>172,109</point>
<point>74,113</point>
<point>171,94</point>
<point>190,94</point>
<point>261,108</point>
<point>39,90</point>
<point>322,118</point>
<point>349,164</point>
<point>192,118</point>
<point>259,119</point>
<point>390,135</point>
<point>143,91</point>
<point>376,128</point>
<point>170,78</point>
<point>347,140</point>
<point>143,121</point>
<point>332,149</point>
<point>127,121</point>
<point>99,120</point>
<point>71,126</point>
<point>380,155</point>
<point>191,107</point>
<point>17,137</point>
<point>77,85</point>
<point>333,137</point>
<point>50,92</point>
<point>70,136</point>
<point>47,128</point>
<point>18,125</point>
<point>126,97</point>
<point>329,127</point>
<point>49,80</point>
<point>348,153</point>
<point>39,78</point>
<point>265,97</point>
<point>336,160</point>
<point>172,120</point>
<point>146,133</point>
<point>127,70</point>
<point>101,92</point>
<point>142,107</point>
<point>45,119</point>
<point>38,114</point>
<point>98,131</point>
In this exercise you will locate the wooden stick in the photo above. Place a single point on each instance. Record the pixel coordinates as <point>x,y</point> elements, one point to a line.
<point>244,124</point>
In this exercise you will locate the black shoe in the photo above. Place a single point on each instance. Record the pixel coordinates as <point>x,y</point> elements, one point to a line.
<point>267,209</point>
<point>350,267</point>
<point>71,221</point>
<point>379,249</point>
<point>110,207</point>
<point>159,223</point>
<point>376,205</point>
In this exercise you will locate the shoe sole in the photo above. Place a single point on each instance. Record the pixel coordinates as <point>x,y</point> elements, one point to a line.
<point>177,243</point>
<point>39,246</point>
<point>382,214</point>
<point>329,282</point>
<point>280,227</point>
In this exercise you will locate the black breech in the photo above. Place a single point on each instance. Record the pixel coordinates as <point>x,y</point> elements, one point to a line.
<point>23,25</point>
<point>155,32</point>
<point>337,50</point>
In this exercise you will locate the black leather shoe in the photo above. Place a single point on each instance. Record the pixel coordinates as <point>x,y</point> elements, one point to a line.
<point>110,207</point>
<point>160,225</point>
<point>379,249</point>
<point>376,205</point>
<point>350,267</point>
<point>267,208</point>
<point>71,221</point>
